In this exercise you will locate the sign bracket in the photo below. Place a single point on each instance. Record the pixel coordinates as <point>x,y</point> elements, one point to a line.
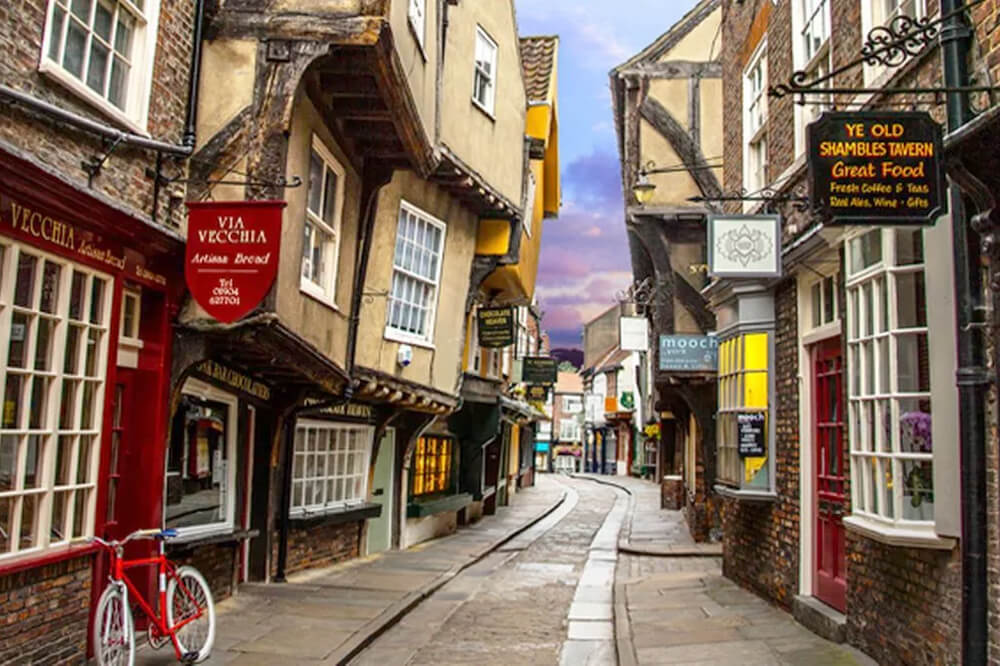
<point>890,45</point>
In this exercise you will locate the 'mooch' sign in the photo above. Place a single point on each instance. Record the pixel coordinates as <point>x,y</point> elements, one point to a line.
<point>877,167</point>
<point>231,258</point>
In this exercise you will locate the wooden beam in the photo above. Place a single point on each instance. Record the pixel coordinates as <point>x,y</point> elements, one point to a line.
<point>360,108</point>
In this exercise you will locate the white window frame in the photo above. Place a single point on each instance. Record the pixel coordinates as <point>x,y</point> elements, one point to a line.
<point>487,105</point>
<point>573,428</point>
<point>298,505</point>
<point>49,429</point>
<point>416,15</point>
<point>205,391</point>
<point>135,295</point>
<point>475,353</point>
<point>862,390</point>
<point>816,65</point>
<point>326,292</point>
<point>755,138</point>
<point>135,115</point>
<point>528,219</point>
<point>400,335</point>
<point>871,17</point>
<point>816,299</point>
<point>572,404</point>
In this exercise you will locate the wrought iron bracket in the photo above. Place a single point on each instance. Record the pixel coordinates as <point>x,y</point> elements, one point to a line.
<point>296,181</point>
<point>890,45</point>
<point>94,165</point>
<point>769,197</point>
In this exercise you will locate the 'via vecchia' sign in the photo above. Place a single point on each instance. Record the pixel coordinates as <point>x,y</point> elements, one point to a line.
<point>875,167</point>
<point>231,258</point>
<point>691,353</point>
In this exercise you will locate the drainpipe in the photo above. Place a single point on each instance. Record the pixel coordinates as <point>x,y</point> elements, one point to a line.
<point>972,375</point>
<point>194,79</point>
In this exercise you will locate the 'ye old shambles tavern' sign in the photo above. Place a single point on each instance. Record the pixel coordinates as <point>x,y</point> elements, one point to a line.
<point>877,168</point>
<point>232,255</point>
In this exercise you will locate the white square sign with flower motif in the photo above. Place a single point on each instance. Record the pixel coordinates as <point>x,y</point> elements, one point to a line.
<point>744,246</point>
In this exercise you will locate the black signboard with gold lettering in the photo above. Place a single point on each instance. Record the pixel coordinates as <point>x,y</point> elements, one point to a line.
<point>537,393</point>
<point>496,327</point>
<point>540,370</point>
<point>876,167</point>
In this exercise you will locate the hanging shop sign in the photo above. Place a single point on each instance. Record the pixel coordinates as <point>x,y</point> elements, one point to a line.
<point>752,434</point>
<point>540,370</point>
<point>537,393</point>
<point>233,379</point>
<point>691,353</point>
<point>744,246</point>
<point>232,254</point>
<point>633,334</point>
<point>627,400</point>
<point>877,167</point>
<point>496,327</point>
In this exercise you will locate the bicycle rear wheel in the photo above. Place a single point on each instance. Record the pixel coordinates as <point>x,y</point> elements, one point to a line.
<point>188,597</point>
<point>114,639</point>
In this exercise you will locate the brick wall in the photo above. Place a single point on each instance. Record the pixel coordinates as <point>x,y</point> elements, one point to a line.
<point>761,544</point>
<point>22,26</point>
<point>44,618</point>
<point>216,562</point>
<point>319,546</point>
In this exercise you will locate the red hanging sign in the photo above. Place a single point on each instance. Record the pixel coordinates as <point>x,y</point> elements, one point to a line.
<point>232,254</point>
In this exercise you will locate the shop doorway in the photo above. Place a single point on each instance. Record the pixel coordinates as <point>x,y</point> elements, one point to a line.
<point>828,431</point>
<point>380,529</point>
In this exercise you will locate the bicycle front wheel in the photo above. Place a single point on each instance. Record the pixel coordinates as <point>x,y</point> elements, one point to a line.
<point>189,601</point>
<point>114,640</point>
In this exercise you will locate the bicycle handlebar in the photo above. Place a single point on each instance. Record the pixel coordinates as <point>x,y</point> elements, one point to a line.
<point>138,534</point>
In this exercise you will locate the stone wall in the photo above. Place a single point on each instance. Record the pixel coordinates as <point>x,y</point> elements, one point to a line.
<point>217,562</point>
<point>45,611</point>
<point>318,546</point>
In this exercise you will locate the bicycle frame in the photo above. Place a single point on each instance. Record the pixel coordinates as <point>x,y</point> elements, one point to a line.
<point>165,570</point>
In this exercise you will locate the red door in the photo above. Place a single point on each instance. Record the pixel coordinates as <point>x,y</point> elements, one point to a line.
<point>828,432</point>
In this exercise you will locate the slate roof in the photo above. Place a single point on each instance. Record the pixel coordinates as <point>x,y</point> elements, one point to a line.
<point>538,57</point>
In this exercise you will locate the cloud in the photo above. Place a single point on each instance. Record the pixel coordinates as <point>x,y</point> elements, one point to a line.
<point>593,232</point>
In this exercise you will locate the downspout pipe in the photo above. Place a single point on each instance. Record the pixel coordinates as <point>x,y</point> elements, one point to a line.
<point>972,376</point>
<point>194,79</point>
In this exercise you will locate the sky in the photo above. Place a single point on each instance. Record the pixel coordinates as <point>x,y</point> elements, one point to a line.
<point>585,258</point>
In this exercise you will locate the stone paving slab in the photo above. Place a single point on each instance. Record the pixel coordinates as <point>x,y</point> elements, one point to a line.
<point>328,616</point>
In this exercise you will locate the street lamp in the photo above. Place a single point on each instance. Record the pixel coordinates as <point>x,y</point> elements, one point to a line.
<point>644,188</point>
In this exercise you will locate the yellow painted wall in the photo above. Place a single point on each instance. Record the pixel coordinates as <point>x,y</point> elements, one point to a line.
<point>671,188</point>
<point>493,147</point>
<point>696,45</point>
<point>437,364</point>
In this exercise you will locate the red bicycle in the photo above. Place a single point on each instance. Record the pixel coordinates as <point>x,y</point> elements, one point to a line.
<point>185,614</point>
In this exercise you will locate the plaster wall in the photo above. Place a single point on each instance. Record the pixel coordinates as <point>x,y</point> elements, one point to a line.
<point>698,44</point>
<point>418,530</point>
<point>226,85</point>
<point>671,188</point>
<point>322,324</point>
<point>490,145</point>
<point>435,364</point>
<point>418,61</point>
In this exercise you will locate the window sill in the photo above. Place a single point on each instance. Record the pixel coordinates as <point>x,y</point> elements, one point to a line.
<point>336,516</point>
<point>318,295</point>
<point>393,335</point>
<point>762,496</point>
<point>56,73</point>
<point>482,107</point>
<point>186,542</point>
<point>422,508</point>
<point>913,537</point>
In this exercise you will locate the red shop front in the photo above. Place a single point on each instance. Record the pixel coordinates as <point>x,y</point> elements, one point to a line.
<point>87,295</point>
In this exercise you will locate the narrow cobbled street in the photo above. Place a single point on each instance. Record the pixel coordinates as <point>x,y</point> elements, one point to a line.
<point>584,571</point>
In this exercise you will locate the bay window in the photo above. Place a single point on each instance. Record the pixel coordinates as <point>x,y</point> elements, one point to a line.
<point>330,471</point>
<point>103,50</point>
<point>416,274</point>
<point>889,388</point>
<point>743,388</point>
<point>57,316</point>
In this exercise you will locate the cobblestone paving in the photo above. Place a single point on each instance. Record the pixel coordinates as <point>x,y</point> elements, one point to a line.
<point>511,608</point>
